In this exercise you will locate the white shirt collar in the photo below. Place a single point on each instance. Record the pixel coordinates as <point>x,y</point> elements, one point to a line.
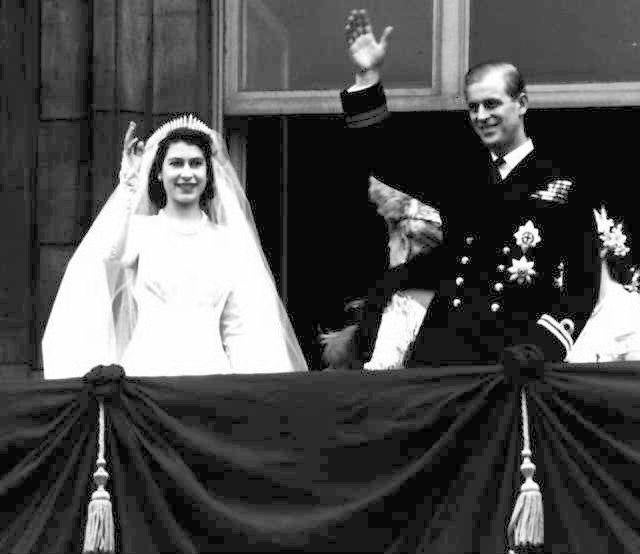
<point>513,158</point>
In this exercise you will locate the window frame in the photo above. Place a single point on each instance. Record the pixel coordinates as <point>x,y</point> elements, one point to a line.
<point>446,75</point>
<point>451,38</point>
<point>451,48</point>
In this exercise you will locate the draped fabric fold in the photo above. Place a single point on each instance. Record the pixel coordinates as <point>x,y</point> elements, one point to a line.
<point>46,451</point>
<point>589,454</point>
<point>402,461</point>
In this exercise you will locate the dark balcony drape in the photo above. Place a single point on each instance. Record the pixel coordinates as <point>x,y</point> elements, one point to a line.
<point>400,461</point>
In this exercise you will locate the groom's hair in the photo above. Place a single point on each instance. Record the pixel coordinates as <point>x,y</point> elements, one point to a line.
<point>514,83</point>
<point>157,194</point>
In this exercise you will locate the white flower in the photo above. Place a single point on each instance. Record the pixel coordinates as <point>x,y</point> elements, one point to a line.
<point>521,270</point>
<point>614,241</point>
<point>527,236</point>
<point>612,237</point>
<point>603,222</point>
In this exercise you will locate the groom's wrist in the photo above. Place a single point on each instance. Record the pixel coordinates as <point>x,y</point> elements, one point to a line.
<point>365,78</point>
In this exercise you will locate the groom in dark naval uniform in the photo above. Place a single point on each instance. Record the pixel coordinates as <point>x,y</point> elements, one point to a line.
<point>516,276</point>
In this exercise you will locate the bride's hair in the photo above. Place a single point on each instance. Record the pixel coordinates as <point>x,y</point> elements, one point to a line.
<point>157,194</point>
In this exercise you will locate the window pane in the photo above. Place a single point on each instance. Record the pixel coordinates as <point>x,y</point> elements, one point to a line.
<point>300,44</point>
<point>560,41</point>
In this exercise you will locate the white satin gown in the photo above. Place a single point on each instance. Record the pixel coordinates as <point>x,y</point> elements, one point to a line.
<point>196,311</point>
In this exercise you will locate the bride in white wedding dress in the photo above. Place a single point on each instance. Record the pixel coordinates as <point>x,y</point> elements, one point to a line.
<point>171,278</point>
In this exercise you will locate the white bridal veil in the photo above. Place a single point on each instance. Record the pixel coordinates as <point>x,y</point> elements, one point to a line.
<point>94,313</point>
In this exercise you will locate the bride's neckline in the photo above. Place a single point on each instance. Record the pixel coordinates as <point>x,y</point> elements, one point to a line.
<point>183,227</point>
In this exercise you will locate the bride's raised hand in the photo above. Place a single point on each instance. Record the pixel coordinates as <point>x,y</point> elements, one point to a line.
<point>132,151</point>
<point>366,52</point>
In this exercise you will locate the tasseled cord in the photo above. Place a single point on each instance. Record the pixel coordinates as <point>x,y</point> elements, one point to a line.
<point>99,534</point>
<point>526,528</point>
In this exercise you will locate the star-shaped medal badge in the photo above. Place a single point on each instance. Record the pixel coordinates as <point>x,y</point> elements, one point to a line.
<point>527,236</point>
<point>521,271</point>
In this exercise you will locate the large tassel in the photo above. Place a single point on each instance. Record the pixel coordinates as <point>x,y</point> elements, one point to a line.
<point>526,527</point>
<point>99,534</point>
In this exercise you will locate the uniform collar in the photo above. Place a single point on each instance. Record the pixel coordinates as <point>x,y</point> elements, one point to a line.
<point>513,158</point>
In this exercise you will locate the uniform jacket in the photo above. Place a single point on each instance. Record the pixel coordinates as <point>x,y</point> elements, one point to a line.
<point>518,263</point>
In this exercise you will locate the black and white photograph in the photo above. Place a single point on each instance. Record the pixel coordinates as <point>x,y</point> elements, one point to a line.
<point>319,276</point>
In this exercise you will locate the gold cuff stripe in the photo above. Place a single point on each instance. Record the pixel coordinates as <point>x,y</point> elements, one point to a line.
<point>557,329</point>
<point>367,118</point>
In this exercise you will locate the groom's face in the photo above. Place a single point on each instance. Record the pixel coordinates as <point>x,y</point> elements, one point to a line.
<point>496,116</point>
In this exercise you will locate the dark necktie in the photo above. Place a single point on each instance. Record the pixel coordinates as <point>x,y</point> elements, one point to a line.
<point>495,170</point>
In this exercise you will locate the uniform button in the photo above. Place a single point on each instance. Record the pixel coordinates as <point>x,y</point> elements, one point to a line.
<point>464,260</point>
<point>456,302</point>
<point>459,281</point>
<point>568,325</point>
<point>498,287</point>
<point>506,250</point>
<point>501,267</point>
<point>469,240</point>
<point>495,307</point>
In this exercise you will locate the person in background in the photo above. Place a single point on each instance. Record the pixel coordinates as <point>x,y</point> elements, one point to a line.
<point>612,332</point>
<point>414,229</point>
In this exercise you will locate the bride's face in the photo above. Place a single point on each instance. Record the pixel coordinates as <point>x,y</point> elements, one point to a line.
<point>183,174</point>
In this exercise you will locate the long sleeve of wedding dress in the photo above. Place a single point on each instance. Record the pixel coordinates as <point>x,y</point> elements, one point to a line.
<point>248,339</point>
